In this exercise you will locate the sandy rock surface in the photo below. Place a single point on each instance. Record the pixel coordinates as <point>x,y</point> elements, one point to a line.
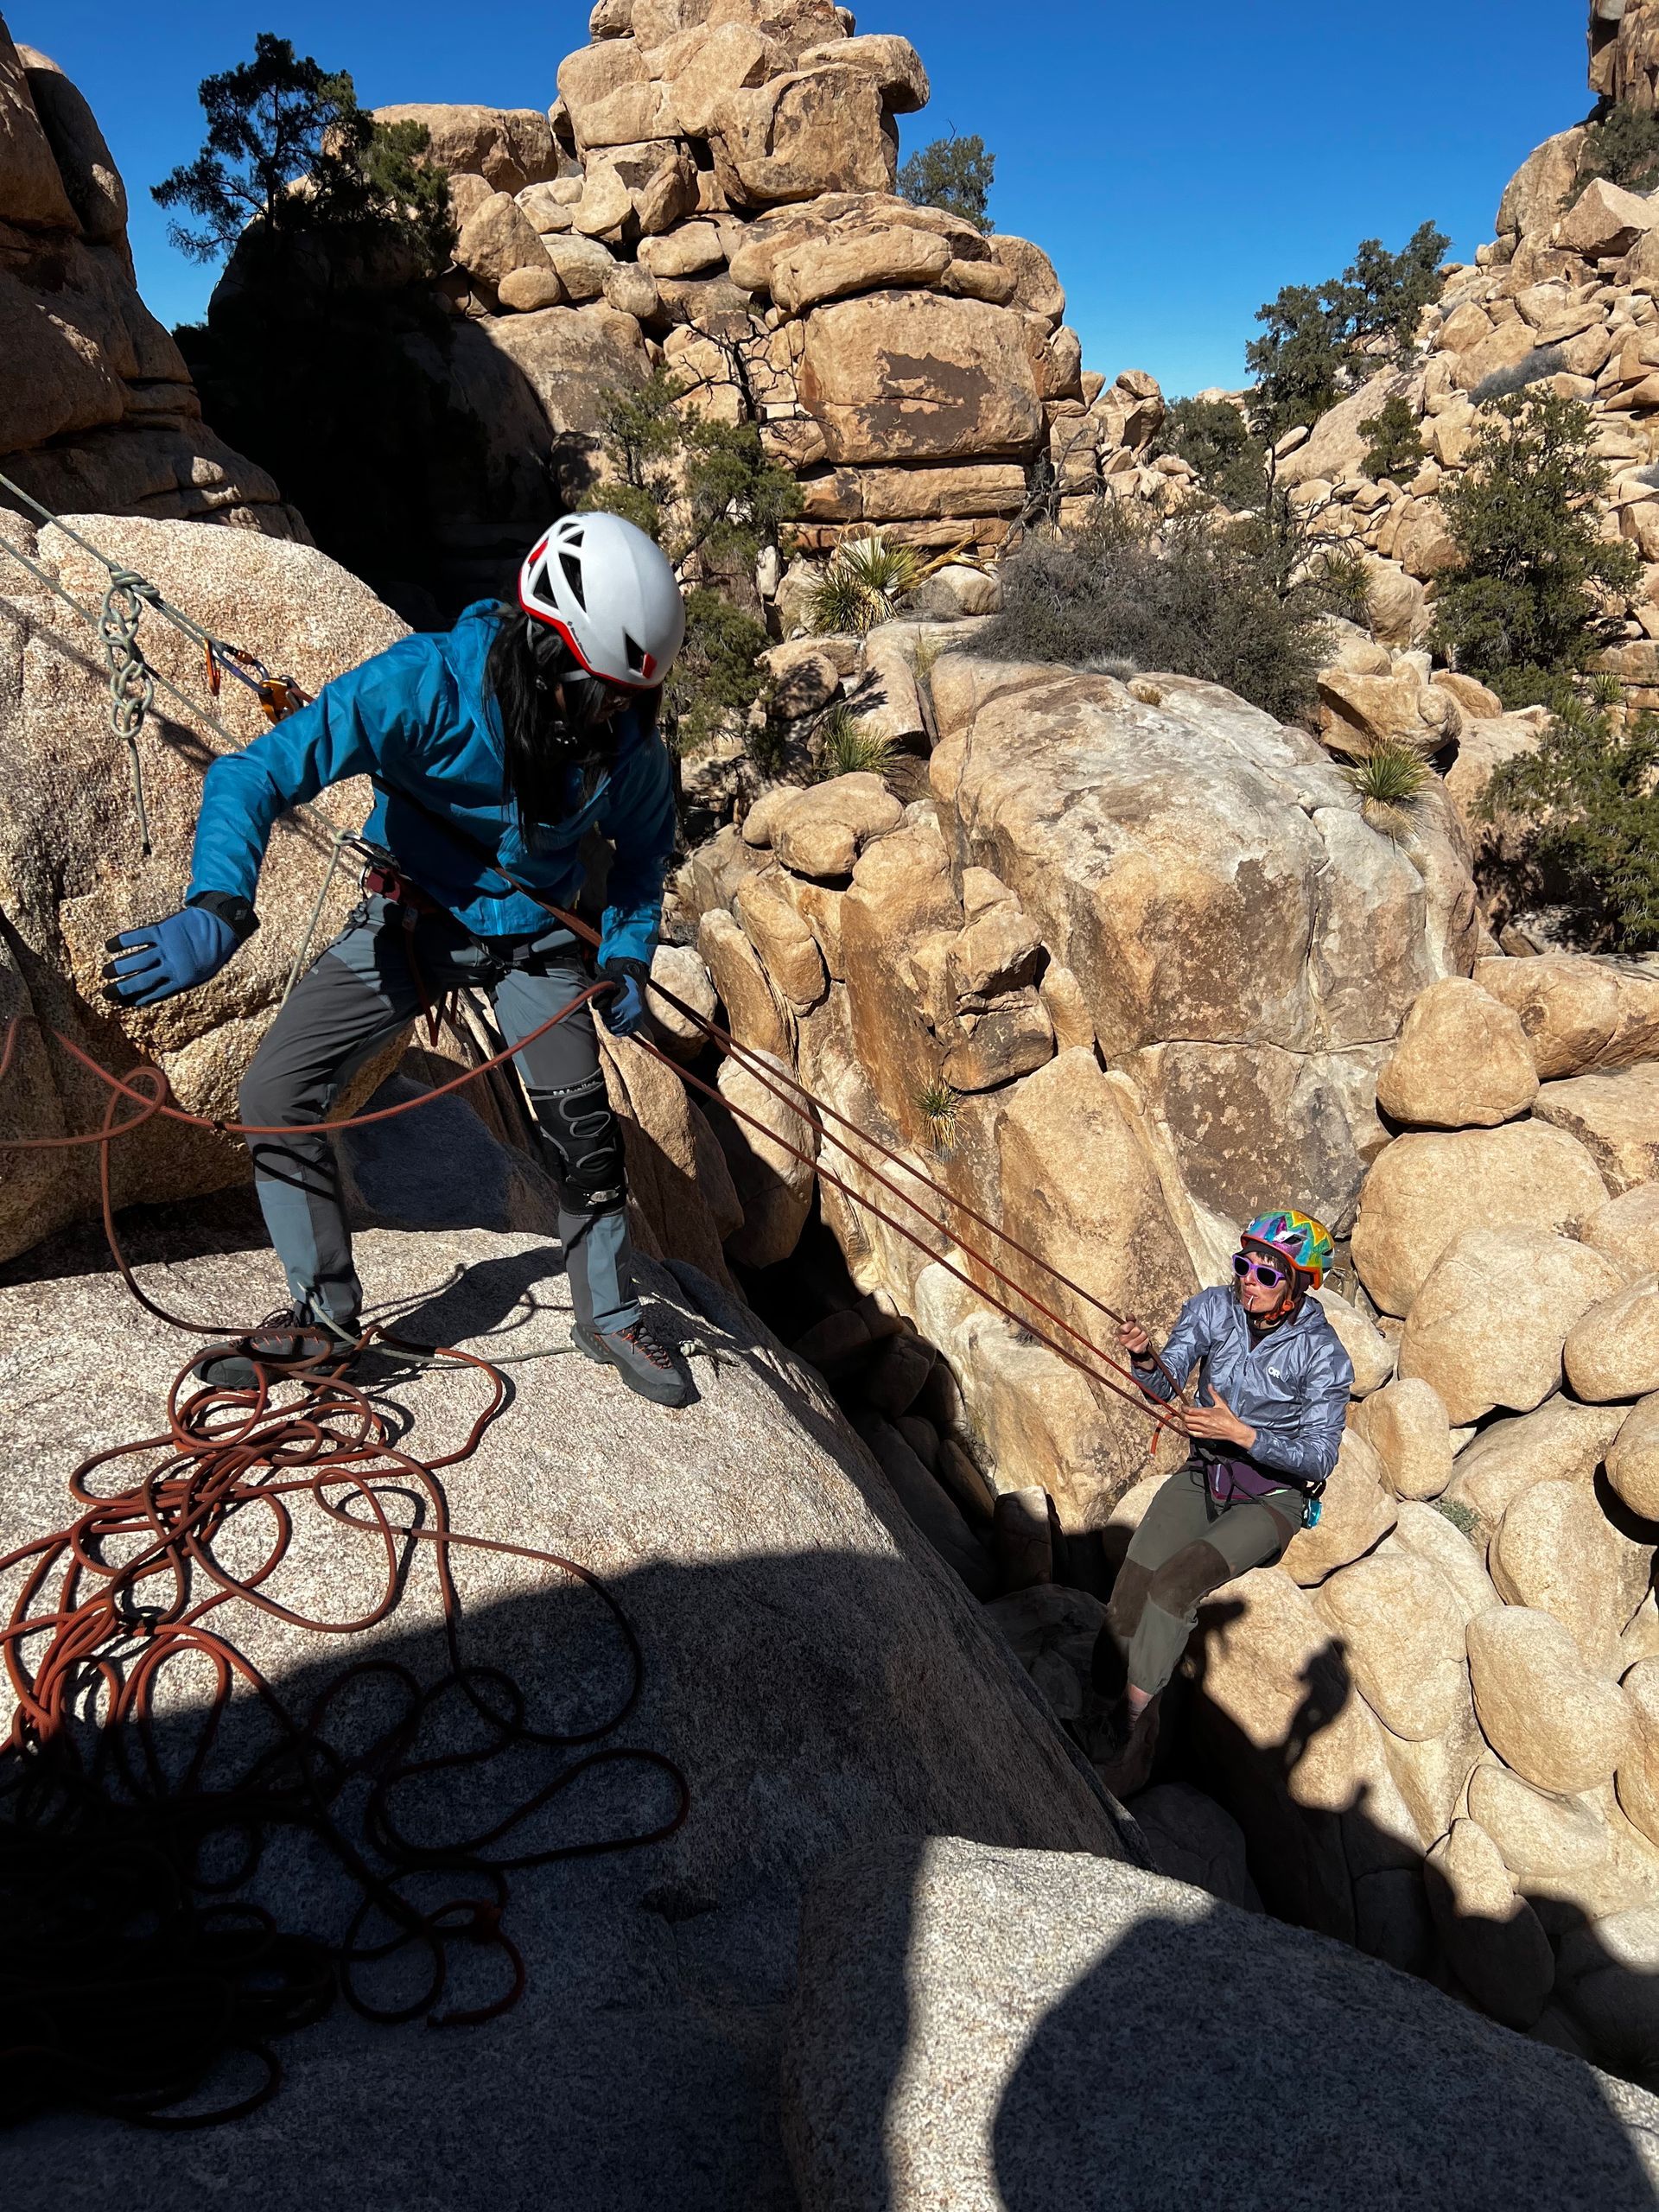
<point>819,1677</point>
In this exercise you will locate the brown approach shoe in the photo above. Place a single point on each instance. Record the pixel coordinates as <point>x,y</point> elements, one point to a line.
<point>638,1358</point>
<point>290,1342</point>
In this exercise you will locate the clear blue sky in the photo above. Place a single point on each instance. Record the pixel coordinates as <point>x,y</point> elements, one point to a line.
<point>1179,163</point>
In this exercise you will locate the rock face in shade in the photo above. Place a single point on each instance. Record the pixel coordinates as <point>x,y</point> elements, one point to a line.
<point>98,413</point>
<point>959,2006</point>
<point>821,1679</point>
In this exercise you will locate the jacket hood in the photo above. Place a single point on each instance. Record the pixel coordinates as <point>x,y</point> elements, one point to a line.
<point>467,648</point>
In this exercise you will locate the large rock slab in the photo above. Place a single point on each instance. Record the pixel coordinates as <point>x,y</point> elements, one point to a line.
<point>508,147</point>
<point>960,2008</point>
<point>915,375</point>
<point>71,873</point>
<point>822,1681</point>
<point>812,130</point>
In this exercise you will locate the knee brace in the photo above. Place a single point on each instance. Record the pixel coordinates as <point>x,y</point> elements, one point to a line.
<point>1178,1585</point>
<point>582,1134</point>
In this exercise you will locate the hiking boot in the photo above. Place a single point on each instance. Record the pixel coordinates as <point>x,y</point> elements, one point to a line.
<point>289,1342</point>
<point>638,1359</point>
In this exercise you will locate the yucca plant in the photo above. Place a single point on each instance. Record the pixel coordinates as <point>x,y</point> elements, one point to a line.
<point>862,585</point>
<point>846,746</point>
<point>1606,690</point>
<point>938,1106</point>
<point>1389,781</point>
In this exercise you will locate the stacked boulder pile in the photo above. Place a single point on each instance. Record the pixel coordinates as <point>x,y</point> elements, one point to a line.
<point>1020,981</point>
<point>96,407</point>
<point>712,192</point>
<point>1565,297</point>
<point>1129,962</point>
<point>1435,1717</point>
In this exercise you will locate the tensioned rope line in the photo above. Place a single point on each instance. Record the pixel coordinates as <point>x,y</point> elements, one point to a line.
<point>819,1112</point>
<point>154,1102</point>
<point>107,1862</point>
<point>217,657</point>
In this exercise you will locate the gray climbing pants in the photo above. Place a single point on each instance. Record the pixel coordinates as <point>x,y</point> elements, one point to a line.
<point>356,997</point>
<point>1185,1547</point>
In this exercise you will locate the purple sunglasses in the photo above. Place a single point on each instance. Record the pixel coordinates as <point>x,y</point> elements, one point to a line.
<point>1267,1272</point>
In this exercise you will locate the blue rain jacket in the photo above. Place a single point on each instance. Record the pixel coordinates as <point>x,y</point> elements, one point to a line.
<point>417,718</point>
<point>1291,1387</point>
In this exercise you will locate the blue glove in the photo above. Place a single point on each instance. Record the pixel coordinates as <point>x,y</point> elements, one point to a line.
<point>168,956</point>
<point>625,1010</point>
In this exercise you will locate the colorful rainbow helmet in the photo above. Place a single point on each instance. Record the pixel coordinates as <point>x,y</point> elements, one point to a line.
<point>1296,1237</point>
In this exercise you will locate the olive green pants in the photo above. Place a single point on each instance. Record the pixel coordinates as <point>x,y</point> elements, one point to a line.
<point>1185,1547</point>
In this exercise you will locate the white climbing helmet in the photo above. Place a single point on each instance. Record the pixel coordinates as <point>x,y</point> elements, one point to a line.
<point>610,594</point>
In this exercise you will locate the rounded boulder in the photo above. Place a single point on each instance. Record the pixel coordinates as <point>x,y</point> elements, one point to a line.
<point>1462,1062</point>
<point>1426,1187</point>
<point>1540,1833</point>
<point>1545,1713</point>
<point>1493,1938</point>
<point>1405,1424</point>
<point>1488,1327</point>
<point>1633,1458</point>
<point>1403,1631</point>
<point>1612,1350</point>
<point>1626,1232</point>
<point>1356,1513</point>
<point>1557,1551</point>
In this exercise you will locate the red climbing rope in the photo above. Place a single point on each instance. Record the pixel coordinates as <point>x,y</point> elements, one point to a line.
<point>132,1963</point>
<point>132,1971</point>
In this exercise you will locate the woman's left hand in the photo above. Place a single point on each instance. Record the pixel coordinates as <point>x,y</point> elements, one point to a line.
<point>1219,1424</point>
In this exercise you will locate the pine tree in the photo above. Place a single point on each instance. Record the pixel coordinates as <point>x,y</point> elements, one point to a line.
<point>1527,610</point>
<point>954,172</point>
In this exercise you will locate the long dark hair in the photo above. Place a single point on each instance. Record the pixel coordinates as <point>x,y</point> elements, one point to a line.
<point>528,672</point>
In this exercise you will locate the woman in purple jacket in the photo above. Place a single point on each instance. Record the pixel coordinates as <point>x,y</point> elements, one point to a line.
<point>1273,1384</point>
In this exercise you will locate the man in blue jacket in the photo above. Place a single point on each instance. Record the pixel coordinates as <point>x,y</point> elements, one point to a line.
<point>1273,1384</point>
<point>510,737</point>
